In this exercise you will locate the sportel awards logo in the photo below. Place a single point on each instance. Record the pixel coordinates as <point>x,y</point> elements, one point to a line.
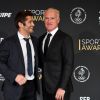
<point>37,15</point>
<point>88,44</point>
<point>81,73</point>
<point>78,15</point>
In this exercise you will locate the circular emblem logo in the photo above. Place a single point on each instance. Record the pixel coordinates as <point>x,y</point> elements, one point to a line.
<point>78,15</point>
<point>81,74</point>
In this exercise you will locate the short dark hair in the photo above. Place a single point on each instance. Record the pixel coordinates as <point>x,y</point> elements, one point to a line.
<point>21,17</point>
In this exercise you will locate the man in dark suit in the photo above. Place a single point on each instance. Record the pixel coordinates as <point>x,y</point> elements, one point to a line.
<point>19,60</point>
<point>56,51</point>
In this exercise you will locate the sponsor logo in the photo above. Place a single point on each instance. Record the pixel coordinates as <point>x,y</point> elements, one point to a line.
<point>85,98</point>
<point>1,78</point>
<point>1,39</point>
<point>99,18</point>
<point>4,15</point>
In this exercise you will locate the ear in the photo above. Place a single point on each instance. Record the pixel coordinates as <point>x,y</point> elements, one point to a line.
<point>20,24</point>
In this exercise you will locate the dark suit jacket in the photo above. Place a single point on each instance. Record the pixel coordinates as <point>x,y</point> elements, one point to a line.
<point>57,65</point>
<point>11,64</point>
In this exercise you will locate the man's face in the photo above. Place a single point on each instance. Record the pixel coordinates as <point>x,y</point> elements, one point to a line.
<point>51,20</point>
<point>28,25</point>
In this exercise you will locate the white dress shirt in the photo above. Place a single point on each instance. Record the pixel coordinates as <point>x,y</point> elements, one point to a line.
<point>51,37</point>
<point>24,50</point>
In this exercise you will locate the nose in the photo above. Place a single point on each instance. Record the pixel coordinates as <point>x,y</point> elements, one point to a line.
<point>33,24</point>
<point>49,19</point>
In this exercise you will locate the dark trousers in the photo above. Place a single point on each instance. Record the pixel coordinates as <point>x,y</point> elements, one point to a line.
<point>29,91</point>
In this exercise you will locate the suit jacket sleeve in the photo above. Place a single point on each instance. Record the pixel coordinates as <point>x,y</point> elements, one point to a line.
<point>67,61</point>
<point>4,57</point>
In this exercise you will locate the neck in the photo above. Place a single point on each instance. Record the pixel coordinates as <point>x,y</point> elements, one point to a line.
<point>25,34</point>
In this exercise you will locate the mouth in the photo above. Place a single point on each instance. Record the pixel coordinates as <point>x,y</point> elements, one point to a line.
<point>49,24</point>
<point>31,28</point>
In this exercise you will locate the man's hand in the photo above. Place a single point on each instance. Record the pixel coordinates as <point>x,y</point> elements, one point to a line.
<point>20,79</point>
<point>60,94</point>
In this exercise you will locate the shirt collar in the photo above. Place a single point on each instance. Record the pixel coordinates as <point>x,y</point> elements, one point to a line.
<point>53,32</point>
<point>21,36</point>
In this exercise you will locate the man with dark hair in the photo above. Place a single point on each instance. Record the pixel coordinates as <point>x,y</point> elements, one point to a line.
<point>56,50</point>
<point>19,60</point>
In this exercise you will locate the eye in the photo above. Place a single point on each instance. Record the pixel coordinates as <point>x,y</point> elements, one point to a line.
<point>46,18</point>
<point>52,18</point>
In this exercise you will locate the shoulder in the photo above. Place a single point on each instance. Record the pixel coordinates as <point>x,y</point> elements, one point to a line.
<point>8,42</point>
<point>64,36</point>
<point>34,38</point>
<point>42,37</point>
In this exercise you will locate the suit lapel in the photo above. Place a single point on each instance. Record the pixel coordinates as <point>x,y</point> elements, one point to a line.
<point>41,41</point>
<point>34,44</point>
<point>35,50</point>
<point>54,39</point>
<point>19,49</point>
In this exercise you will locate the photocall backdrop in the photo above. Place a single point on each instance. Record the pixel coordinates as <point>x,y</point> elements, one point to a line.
<point>81,20</point>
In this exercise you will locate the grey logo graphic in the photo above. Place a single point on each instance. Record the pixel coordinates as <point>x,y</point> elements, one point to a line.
<point>78,15</point>
<point>81,74</point>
